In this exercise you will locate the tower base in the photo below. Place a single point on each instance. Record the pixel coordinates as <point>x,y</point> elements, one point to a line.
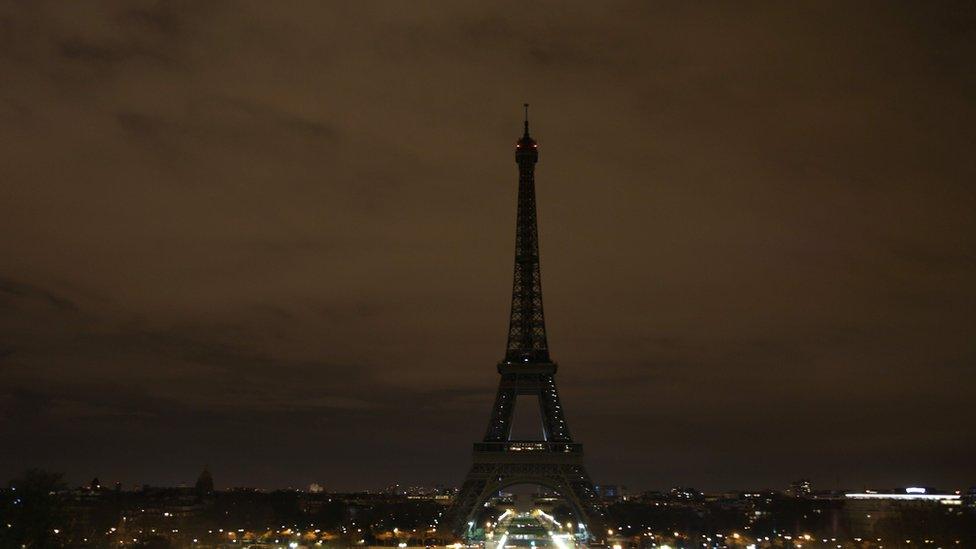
<point>556,466</point>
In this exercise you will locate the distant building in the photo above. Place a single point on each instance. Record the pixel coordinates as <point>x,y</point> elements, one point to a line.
<point>865,510</point>
<point>691,494</point>
<point>610,491</point>
<point>205,483</point>
<point>800,488</point>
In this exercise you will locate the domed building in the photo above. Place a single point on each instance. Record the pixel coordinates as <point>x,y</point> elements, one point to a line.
<point>205,484</point>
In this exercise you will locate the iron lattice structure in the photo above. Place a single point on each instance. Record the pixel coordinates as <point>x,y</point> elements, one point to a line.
<point>527,326</point>
<point>555,461</point>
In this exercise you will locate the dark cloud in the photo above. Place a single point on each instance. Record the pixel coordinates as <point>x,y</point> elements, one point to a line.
<point>160,18</point>
<point>289,230</point>
<point>15,292</point>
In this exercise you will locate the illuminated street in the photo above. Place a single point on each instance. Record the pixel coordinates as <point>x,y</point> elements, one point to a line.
<point>535,529</point>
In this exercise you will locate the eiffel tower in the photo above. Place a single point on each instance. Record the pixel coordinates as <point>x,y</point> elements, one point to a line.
<point>555,461</point>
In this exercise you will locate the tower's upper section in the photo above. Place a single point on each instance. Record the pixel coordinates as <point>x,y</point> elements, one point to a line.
<point>527,326</point>
<point>526,149</point>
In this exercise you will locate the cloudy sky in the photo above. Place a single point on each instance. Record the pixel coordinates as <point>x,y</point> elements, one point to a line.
<point>277,238</point>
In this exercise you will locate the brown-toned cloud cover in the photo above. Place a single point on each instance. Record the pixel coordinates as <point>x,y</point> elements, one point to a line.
<point>277,238</point>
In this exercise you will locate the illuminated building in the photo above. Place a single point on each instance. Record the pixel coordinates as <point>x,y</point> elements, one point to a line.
<point>800,488</point>
<point>866,510</point>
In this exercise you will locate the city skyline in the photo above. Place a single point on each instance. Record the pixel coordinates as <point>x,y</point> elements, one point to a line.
<point>279,243</point>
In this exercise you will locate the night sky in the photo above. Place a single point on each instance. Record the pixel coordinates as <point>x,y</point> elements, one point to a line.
<point>277,238</point>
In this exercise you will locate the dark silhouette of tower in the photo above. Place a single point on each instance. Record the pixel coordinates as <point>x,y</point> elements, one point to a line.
<point>555,461</point>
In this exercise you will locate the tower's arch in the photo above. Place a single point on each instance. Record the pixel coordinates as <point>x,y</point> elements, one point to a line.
<point>557,485</point>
